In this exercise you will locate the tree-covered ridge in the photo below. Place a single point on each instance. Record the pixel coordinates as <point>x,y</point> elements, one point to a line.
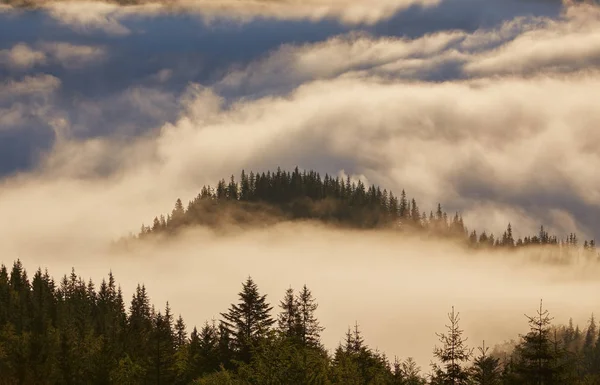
<point>70,332</point>
<point>307,195</point>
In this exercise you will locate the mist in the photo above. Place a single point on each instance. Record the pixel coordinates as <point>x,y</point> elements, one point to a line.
<point>396,287</point>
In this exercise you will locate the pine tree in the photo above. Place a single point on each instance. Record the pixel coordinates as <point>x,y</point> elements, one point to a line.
<point>509,240</point>
<point>178,214</point>
<point>310,329</point>
<point>206,349</point>
<point>453,353</point>
<point>289,318</point>
<point>409,372</point>
<point>139,328</point>
<point>180,333</point>
<point>403,209</point>
<point>486,369</point>
<point>414,213</point>
<point>248,321</point>
<point>162,356</point>
<point>589,353</point>
<point>536,363</point>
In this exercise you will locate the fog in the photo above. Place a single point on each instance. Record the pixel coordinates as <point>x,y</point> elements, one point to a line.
<point>397,288</point>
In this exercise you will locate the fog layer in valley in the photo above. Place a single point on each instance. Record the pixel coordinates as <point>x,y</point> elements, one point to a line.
<point>398,289</point>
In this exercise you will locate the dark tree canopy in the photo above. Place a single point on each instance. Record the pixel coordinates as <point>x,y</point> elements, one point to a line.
<point>75,333</point>
<point>263,198</point>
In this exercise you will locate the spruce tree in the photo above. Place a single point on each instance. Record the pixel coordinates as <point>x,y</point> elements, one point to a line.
<point>408,372</point>
<point>310,329</point>
<point>289,318</point>
<point>453,353</point>
<point>248,321</point>
<point>589,353</point>
<point>206,348</point>
<point>162,350</point>
<point>486,369</point>
<point>139,328</point>
<point>403,207</point>
<point>537,360</point>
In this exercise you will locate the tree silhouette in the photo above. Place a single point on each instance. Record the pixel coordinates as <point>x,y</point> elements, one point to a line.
<point>249,320</point>
<point>453,353</point>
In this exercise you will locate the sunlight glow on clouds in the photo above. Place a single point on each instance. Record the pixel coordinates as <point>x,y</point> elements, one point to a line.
<point>86,15</point>
<point>479,141</point>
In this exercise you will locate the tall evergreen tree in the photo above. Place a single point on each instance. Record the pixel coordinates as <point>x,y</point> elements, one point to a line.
<point>288,320</point>
<point>310,329</point>
<point>162,350</point>
<point>536,363</point>
<point>249,320</point>
<point>589,343</point>
<point>453,353</point>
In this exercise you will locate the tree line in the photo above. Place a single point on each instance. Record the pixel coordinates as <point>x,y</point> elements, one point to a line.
<point>69,332</point>
<point>307,195</point>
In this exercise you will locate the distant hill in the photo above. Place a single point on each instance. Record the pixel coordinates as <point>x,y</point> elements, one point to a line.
<point>262,199</point>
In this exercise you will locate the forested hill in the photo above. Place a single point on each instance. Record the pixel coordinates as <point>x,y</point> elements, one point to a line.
<point>283,195</point>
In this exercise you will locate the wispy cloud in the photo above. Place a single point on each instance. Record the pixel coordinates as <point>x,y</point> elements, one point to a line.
<point>107,16</point>
<point>21,56</point>
<point>566,45</point>
<point>89,16</point>
<point>39,85</point>
<point>24,57</point>
<point>73,56</point>
<point>522,46</point>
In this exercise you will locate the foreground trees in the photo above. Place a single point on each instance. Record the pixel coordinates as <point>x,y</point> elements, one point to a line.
<point>453,355</point>
<point>486,368</point>
<point>248,322</point>
<point>73,333</point>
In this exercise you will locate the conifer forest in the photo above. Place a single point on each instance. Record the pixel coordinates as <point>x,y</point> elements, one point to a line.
<point>299,192</point>
<point>74,331</point>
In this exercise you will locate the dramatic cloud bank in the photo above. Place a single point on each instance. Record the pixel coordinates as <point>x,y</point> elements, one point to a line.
<point>508,136</point>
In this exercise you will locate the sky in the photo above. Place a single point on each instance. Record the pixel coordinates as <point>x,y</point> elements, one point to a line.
<point>109,113</point>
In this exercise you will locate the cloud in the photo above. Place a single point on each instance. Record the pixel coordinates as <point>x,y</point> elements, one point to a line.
<point>562,45</point>
<point>105,16</point>
<point>444,142</point>
<point>12,116</point>
<point>365,105</point>
<point>21,56</point>
<point>26,109</point>
<point>73,56</point>
<point>353,53</point>
<point>37,85</point>
<point>391,17</point>
<point>5,8</point>
<point>348,11</point>
<point>521,46</point>
<point>89,16</point>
